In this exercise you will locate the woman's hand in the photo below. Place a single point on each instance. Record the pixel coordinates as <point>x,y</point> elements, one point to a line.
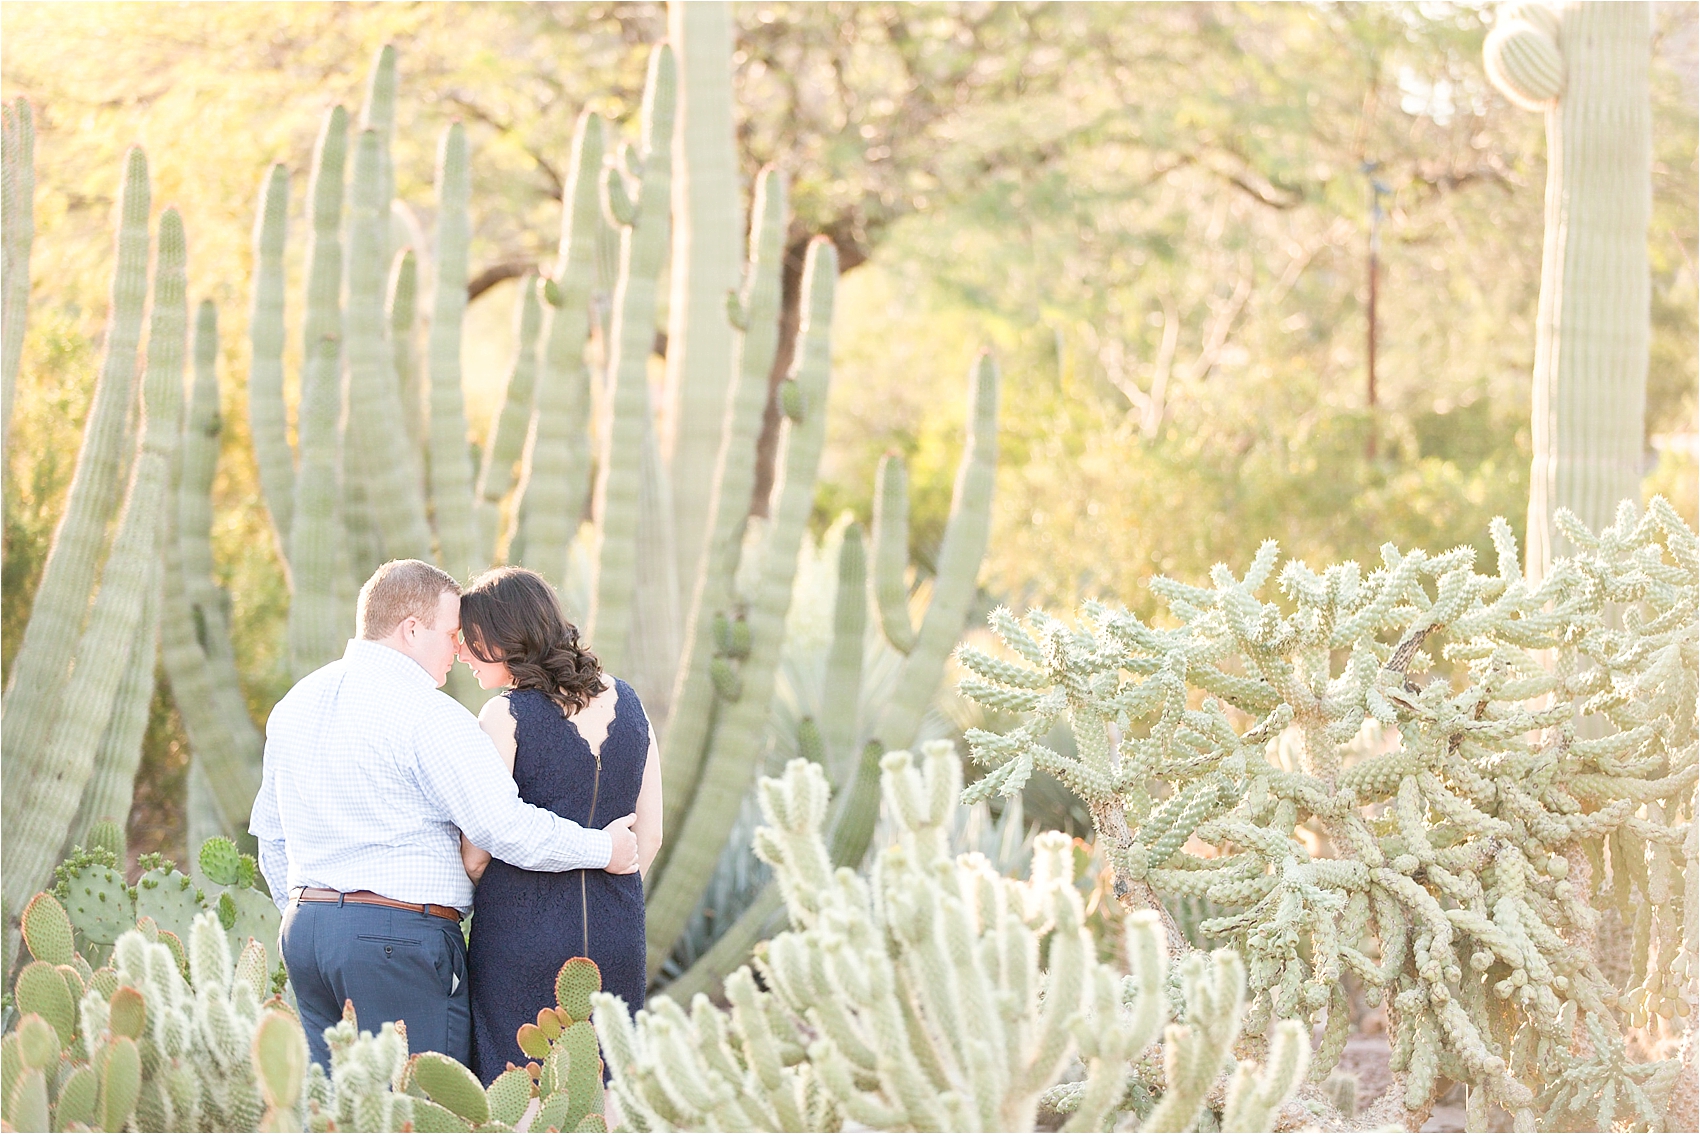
<point>473,859</point>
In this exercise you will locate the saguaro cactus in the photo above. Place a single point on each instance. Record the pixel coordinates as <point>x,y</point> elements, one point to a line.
<point>1585,65</point>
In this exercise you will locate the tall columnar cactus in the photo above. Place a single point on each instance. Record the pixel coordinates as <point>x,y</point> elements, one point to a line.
<point>960,553</point>
<point>755,313</point>
<point>1405,716</point>
<point>916,999</point>
<point>17,208</point>
<point>128,593</point>
<point>512,423</point>
<point>702,654</point>
<point>636,192</point>
<point>316,625</point>
<point>741,718</point>
<point>378,474</point>
<point>708,219</point>
<point>267,420</point>
<point>1585,65</point>
<point>61,601</point>
<point>450,463</point>
<point>194,626</point>
<point>559,484</point>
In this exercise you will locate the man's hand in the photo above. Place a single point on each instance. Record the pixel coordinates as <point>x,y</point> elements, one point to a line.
<point>622,856</point>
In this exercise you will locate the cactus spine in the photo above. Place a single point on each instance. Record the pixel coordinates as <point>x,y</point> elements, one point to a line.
<point>1586,67</point>
<point>707,220</point>
<point>17,201</point>
<point>62,598</point>
<point>643,222</point>
<point>128,591</point>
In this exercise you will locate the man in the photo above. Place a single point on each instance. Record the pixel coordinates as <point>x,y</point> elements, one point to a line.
<point>371,775</point>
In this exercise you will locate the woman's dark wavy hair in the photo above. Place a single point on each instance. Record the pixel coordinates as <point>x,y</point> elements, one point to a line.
<point>511,615</point>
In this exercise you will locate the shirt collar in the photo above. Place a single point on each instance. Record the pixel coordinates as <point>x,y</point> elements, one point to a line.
<point>368,655</point>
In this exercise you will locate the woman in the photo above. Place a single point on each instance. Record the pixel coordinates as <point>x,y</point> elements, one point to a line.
<point>578,743</point>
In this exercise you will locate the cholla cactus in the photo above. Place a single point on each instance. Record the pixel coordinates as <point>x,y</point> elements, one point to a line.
<point>1469,813</point>
<point>915,998</point>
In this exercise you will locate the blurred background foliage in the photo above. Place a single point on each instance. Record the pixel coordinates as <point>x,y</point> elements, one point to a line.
<point>1157,214</point>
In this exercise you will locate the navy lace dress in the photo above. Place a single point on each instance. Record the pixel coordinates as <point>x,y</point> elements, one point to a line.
<point>526,923</point>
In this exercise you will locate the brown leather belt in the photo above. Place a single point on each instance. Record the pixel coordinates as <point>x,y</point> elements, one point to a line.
<point>367,898</point>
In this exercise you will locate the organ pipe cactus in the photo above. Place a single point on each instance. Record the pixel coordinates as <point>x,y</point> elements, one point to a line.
<point>707,223</point>
<point>194,626</point>
<point>43,661</point>
<point>756,313</point>
<point>513,419</point>
<point>1585,65</point>
<point>379,481</point>
<point>876,1008</point>
<point>727,764</point>
<point>559,484</point>
<point>125,609</point>
<point>316,624</point>
<point>17,202</point>
<point>450,464</point>
<point>647,622</point>
<point>1475,822</point>
<point>636,193</point>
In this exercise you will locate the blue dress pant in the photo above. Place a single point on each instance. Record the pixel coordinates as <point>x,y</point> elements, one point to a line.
<point>395,965</point>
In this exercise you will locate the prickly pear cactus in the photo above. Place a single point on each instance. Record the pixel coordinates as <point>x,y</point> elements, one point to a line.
<point>156,1042</point>
<point>167,895</point>
<point>95,895</point>
<point>1487,761</point>
<point>245,911</point>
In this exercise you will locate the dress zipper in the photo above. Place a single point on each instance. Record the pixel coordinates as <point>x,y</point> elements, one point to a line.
<point>583,899</point>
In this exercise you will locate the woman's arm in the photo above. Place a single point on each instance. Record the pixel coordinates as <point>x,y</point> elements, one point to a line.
<point>648,825</point>
<point>498,723</point>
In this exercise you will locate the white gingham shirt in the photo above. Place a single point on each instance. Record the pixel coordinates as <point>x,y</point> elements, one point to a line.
<point>372,773</point>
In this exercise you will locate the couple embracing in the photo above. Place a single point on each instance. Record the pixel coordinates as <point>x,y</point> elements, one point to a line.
<point>386,807</point>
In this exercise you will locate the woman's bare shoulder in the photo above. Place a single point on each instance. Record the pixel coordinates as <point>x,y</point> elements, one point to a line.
<point>497,711</point>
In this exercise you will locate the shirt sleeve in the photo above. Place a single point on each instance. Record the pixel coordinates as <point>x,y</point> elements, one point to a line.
<point>459,770</point>
<point>266,825</point>
<point>274,864</point>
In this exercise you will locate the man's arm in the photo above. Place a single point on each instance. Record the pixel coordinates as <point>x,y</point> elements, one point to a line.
<point>459,770</point>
